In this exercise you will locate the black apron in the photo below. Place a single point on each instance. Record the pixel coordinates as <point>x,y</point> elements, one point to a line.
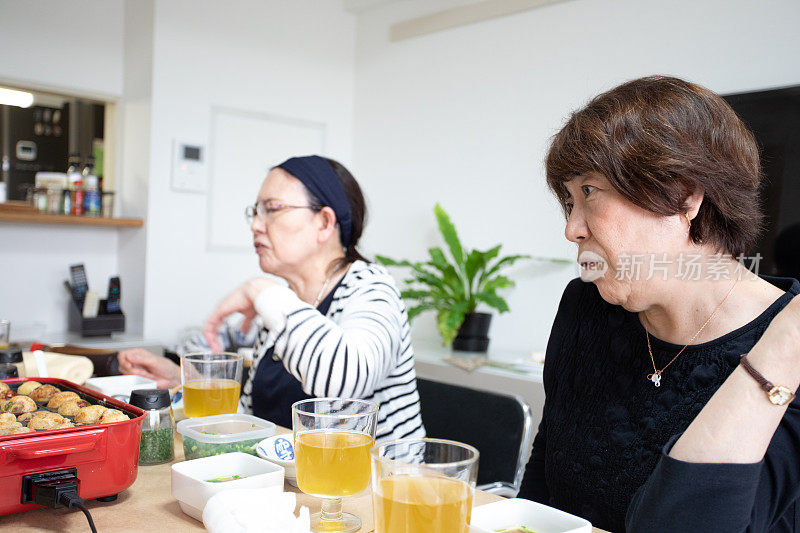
<point>274,388</point>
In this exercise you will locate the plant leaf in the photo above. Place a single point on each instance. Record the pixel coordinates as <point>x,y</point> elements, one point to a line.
<point>449,320</point>
<point>417,309</point>
<point>493,300</point>
<point>449,273</point>
<point>491,253</point>
<point>432,280</point>
<point>415,294</point>
<point>504,262</point>
<point>498,282</point>
<point>388,261</point>
<point>448,231</point>
<point>553,260</point>
<point>476,260</point>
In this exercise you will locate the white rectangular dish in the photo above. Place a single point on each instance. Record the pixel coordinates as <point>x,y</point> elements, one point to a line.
<point>190,485</point>
<point>518,512</point>
<point>119,387</point>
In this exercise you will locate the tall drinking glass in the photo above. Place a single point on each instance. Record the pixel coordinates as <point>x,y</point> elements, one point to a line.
<point>423,486</point>
<point>5,334</point>
<point>332,439</point>
<point>211,383</point>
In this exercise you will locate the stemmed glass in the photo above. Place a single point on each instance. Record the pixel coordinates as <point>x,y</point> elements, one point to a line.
<point>333,437</point>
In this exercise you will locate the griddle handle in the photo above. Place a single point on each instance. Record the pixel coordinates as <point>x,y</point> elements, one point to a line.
<point>37,448</point>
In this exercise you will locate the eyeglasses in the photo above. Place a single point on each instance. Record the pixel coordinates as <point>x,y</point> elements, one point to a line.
<point>266,208</point>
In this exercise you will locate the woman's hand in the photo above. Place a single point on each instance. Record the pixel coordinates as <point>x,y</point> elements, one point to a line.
<point>140,362</point>
<point>241,300</point>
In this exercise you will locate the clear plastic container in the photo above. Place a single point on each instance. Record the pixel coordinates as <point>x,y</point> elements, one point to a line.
<point>213,435</point>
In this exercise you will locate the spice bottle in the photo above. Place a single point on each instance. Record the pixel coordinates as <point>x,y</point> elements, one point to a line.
<point>157,444</point>
<point>8,371</point>
<point>13,358</point>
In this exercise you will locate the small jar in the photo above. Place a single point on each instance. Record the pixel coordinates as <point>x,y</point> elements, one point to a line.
<point>13,358</point>
<point>54,201</point>
<point>157,445</point>
<point>37,197</point>
<point>8,371</point>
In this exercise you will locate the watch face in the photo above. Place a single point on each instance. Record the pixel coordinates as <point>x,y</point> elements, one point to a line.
<point>780,395</point>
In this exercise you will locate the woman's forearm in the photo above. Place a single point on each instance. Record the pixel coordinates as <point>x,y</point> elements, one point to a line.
<point>738,422</point>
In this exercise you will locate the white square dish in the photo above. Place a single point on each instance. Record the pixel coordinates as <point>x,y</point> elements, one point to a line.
<point>119,387</point>
<point>190,485</point>
<point>518,512</point>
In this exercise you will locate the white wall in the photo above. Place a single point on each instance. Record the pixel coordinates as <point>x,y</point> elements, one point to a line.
<point>36,260</point>
<point>135,126</point>
<point>463,116</point>
<point>75,46</point>
<point>292,59</point>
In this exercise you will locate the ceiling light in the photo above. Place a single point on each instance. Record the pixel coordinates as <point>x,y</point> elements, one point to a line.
<point>15,98</point>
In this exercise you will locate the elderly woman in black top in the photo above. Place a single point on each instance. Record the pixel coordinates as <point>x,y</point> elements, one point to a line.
<point>651,409</point>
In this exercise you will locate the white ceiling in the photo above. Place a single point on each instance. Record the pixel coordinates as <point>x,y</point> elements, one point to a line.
<point>359,6</point>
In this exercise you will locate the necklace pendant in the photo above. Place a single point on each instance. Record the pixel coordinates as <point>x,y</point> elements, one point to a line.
<point>655,377</point>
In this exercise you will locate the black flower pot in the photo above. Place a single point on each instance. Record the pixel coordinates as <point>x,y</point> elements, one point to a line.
<point>473,335</point>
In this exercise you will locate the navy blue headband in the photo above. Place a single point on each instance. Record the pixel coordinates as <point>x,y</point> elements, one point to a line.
<point>319,177</point>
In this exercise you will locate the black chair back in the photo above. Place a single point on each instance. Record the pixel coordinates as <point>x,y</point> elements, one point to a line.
<point>496,424</point>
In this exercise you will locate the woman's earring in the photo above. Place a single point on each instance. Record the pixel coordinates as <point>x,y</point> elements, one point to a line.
<point>689,220</point>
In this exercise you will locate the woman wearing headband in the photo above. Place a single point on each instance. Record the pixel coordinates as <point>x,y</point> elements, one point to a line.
<point>339,329</point>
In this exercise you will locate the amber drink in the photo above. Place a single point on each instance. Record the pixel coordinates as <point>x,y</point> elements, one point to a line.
<point>423,486</point>
<point>211,383</point>
<point>333,438</point>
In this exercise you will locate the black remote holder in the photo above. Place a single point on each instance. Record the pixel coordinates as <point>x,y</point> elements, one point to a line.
<point>102,324</point>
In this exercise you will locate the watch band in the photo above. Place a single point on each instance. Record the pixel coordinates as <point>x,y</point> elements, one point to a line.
<point>777,395</point>
<point>764,382</point>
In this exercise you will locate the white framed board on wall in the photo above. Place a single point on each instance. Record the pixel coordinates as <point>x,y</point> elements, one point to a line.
<point>244,145</point>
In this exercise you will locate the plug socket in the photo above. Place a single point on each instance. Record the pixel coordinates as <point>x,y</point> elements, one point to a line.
<point>57,481</point>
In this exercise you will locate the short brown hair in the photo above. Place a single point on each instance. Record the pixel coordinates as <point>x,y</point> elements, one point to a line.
<point>657,140</point>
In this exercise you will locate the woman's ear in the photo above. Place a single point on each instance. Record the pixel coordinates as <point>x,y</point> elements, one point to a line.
<point>327,227</point>
<point>693,203</point>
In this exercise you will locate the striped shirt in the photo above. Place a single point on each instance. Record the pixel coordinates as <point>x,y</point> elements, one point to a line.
<point>360,349</point>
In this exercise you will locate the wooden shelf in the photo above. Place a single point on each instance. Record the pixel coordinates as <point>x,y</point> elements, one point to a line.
<point>37,218</point>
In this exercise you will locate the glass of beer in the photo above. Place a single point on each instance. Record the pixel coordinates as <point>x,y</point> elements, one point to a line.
<point>332,440</point>
<point>423,486</point>
<point>5,333</point>
<point>211,383</point>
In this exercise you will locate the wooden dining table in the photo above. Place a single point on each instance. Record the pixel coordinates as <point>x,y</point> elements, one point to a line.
<point>148,503</point>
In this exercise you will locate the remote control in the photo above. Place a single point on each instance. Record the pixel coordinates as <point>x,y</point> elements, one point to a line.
<point>114,295</point>
<point>77,276</point>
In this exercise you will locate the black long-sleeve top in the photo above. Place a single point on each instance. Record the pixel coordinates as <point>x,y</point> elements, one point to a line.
<point>606,430</point>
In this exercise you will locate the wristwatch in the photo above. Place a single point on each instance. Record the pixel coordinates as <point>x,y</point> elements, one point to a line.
<point>777,394</point>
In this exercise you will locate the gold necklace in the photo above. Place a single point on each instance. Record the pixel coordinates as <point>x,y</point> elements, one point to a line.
<point>319,294</point>
<point>327,280</point>
<point>655,377</point>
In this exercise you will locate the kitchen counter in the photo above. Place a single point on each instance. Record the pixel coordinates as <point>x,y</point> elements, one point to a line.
<point>149,502</point>
<point>115,341</point>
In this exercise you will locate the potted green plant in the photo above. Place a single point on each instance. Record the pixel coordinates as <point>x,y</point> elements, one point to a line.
<point>454,286</point>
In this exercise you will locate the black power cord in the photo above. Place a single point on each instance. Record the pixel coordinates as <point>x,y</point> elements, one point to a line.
<point>61,493</point>
<point>72,500</point>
